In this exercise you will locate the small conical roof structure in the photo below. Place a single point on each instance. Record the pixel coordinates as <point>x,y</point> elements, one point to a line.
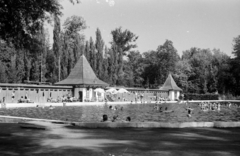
<point>82,74</point>
<point>170,84</point>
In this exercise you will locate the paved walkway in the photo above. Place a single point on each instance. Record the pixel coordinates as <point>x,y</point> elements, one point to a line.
<point>59,139</point>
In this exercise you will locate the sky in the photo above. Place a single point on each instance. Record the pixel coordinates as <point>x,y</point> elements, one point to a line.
<point>187,23</point>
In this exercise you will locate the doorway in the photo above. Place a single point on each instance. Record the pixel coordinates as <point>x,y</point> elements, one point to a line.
<point>80,95</point>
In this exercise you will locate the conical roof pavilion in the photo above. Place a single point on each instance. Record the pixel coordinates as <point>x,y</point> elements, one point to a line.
<point>170,84</point>
<point>82,75</point>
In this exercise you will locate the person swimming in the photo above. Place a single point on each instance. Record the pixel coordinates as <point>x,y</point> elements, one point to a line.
<point>128,118</point>
<point>104,118</point>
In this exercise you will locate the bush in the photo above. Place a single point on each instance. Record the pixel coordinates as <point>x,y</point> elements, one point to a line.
<point>191,96</point>
<point>229,97</point>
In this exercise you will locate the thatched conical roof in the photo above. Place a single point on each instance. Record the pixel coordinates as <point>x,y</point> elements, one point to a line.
<point>170,84</point>
<point>82,74</point>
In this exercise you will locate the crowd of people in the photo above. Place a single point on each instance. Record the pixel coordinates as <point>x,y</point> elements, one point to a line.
<point>209,106</point>
<point>64,98</point>
<point>204,106</point>
<point>115,117</point>
<point>25,99</point>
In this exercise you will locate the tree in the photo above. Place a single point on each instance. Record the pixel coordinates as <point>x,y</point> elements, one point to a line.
<point>128,77</point>
<point>11,61</point>
<point>135,63</point>
<point>183,71</point>
<point>112,65</point>
<point>105,66</point>
<point>159,63</point>
<point>20,20</point>
<point>221,65</point>
<point>236,47</point>
<point>201,64</point>
<point>72,45</point>
<point>86,51</point>
<point>235,66</point>
<point>167,58</point>
<point>99,44</point>
<point>74,25</point>
<point>123,41</point>
<point>57,44</point>
<point>3,77</point>
<point>92,53</point>
<point>150,68</point>
<point>51,68</point>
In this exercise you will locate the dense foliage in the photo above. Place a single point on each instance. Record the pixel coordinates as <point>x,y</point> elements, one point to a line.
<point>26,54</point>
<point>208,96</point>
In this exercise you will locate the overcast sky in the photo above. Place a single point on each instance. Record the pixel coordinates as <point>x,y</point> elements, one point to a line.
<point>187,23</point>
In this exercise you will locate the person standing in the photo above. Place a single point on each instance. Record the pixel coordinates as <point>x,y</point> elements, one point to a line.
<point>136,97</point>
<point>218,106</point>
<point>13,95</point>
<point>189,110</point>
<point>3,103</point>
<point>26,98</point>
<point>141,96</point>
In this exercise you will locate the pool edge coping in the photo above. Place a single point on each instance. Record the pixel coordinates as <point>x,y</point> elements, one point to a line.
<point>215,124</point>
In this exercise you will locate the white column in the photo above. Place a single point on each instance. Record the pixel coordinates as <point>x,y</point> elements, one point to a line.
<point>178,94</point>
<point>84,93</point>
<point>171,95</point>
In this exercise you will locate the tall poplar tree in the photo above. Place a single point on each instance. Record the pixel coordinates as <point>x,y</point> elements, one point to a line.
<point>105,76</point>
<point>86,51</point>
<point>57,47</point>
<point>99,44</point>
<point>92,52</point>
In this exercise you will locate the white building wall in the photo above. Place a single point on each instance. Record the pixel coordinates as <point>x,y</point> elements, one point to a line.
<point>171,95</point>
<point>178,94</point>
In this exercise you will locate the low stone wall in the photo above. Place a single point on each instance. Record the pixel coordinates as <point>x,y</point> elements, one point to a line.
<point>147,125</point>
<point>11,119</point>
<point>21,105</point>
<point>18,105</point>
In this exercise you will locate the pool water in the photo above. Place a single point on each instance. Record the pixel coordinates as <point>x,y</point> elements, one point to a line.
<point>137,112</point>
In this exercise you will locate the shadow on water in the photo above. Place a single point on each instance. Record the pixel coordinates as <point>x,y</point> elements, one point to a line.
<point>72,140</point>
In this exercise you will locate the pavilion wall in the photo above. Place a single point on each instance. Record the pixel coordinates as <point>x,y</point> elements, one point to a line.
<point>149,94</point>
<point>36,93</point>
